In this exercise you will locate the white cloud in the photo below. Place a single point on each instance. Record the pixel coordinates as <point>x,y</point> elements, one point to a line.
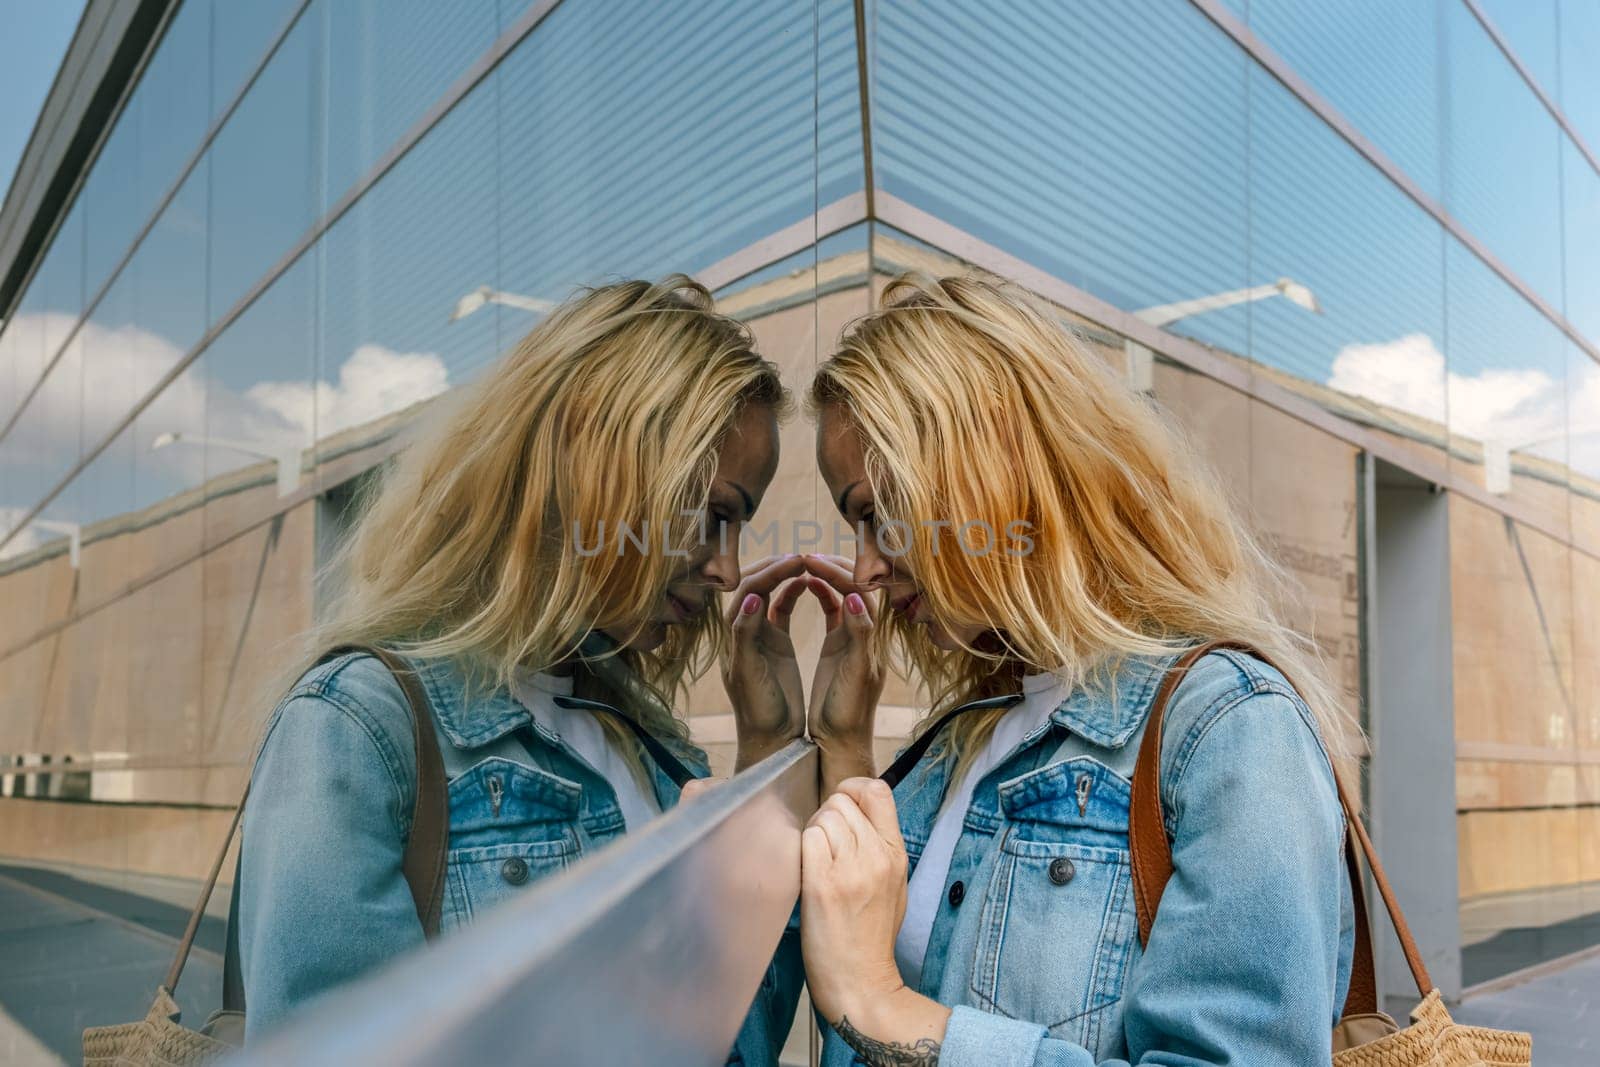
<point>45,442</point>
<point>375,381</point>
<point>1528,408</point>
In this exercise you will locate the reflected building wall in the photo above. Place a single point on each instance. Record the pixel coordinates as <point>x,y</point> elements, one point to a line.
<point>1297,226</point>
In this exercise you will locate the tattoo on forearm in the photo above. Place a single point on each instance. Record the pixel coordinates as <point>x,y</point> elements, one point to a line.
<point>874,1053</point>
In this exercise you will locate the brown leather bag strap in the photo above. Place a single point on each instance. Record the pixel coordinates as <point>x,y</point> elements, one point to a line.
<point>427,847</point>
<point>1150,852</point>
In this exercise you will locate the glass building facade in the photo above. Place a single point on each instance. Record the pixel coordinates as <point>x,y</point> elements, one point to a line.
<point>1346,246</point>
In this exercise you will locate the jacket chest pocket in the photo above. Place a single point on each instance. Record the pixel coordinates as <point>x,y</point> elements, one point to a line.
<point>1057,926</point>
<point>510,825</point>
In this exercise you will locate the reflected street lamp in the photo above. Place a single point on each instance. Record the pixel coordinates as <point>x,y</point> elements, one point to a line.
<point>287,457</point>
<point>484,295</point>
<point>1497,456</point>
<point>1141,361</point>
<point>73,531</point>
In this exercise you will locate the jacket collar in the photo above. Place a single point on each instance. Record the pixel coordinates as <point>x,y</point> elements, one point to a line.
<point>1108,715</point>
<point>494,711</point>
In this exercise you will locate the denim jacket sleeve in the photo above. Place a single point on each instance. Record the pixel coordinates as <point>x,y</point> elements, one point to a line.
<point>322,897</point>
<point>771,1016</point>
<point>1245,955</point>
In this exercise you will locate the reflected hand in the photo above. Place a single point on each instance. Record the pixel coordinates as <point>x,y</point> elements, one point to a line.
<point>759,670</point>
<point>849,678</point>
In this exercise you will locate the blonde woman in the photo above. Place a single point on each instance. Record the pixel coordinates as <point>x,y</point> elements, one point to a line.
<point>1040,537</point>
<point>585,496</point>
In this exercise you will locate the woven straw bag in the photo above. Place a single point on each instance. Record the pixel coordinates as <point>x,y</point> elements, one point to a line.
<point>160,1039</point>
<point>1364,1036</point>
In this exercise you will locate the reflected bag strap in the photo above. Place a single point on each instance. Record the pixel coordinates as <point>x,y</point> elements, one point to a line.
<point>426,849</point>
<point>1150,852</point>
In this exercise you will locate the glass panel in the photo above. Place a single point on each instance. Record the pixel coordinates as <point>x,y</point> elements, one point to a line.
<point>1376,62</point>
<point>1583,443</point>
<point>1508,369</point>
<point>263,177</point>
<point>1066,188</point>
<point>1580,75</point>
<point>839,160</point>
<point>240,36</point>
<point>388,62</point>
<point>59,283</point>
<point>1517,730</point>
<point>394,268</point>
<point>1528,27</point>
<point>1580,193</point>
<point>259,409</point>
<point>601,175</point>
<point>1502,158</point>
<point>114,207</point>
<point>1358,311</point>
<point>173,102</point>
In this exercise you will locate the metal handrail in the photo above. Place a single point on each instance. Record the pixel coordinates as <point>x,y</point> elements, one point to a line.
<point>651,951</point>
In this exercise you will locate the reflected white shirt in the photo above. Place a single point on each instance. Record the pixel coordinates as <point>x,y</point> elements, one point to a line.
<point>581,729</point>
<point>1041,694</point>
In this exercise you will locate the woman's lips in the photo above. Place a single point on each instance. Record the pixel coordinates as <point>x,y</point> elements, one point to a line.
<point>907,605</point>
<point>681,608</point>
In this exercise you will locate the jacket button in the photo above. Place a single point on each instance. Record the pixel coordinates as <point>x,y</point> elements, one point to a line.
<point>515,870</point>
<point>1061,870</point>
<point>958,893</point>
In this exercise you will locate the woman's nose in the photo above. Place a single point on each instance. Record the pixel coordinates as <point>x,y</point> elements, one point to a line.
<point>872,566</point>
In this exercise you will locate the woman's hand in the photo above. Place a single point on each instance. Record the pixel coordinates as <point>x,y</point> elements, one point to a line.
<point>849,678</point>
<point>759,670</point>
<point>852,901</point>
<point>695,787</point>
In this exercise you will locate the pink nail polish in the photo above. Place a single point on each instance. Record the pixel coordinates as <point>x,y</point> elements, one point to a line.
<point>856,605</point>
<point>751,603</point>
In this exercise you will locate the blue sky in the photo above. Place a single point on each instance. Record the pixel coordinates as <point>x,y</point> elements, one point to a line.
<point>36,37</point>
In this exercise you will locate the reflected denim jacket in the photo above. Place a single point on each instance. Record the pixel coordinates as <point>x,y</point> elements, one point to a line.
<point>1038,955</point>
<point>322,897</point>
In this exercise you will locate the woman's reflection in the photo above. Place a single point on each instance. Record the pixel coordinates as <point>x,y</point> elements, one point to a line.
<point>544,558</point>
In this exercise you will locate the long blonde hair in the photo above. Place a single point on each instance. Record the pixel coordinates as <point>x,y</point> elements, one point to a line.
<point>479,544</point>
<point>974,404</point>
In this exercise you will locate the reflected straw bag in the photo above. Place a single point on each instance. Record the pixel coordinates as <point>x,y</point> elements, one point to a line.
<point>1364,1036</point>
<point>160,1039</point>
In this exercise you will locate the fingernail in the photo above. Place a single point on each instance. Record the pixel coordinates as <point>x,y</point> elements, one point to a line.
<point>751,602</point>
<point>856,605</point>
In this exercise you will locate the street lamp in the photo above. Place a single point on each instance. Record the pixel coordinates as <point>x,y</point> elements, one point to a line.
<point>1497,456</point>
<point>483,295</point>
<point>73,531</point>
<point>286,457</point>
<point>1141,361</point>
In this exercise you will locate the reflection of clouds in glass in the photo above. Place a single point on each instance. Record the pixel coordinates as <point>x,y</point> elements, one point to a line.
<point>1525,408</point>
<point>27,539</point>
<point>375,381</point>
<point>1404,374</point>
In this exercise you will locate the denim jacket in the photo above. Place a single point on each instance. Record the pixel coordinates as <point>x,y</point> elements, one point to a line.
<point>1038,952</point>
<point>322,897</point>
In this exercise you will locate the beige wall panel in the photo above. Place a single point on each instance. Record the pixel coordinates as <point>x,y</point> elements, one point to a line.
<point>1506,784</point>
<point>35,597</point>
<point>164,674</point>
<point>1586,651</point>
<point>1212,416</point>
<point>1510,851</point>
<point>1303,507</point>
<point>1585,514</point>
<point>173,842</point>
<point>170,539</point>
<point>1512,625</point>
<point>258,601</point>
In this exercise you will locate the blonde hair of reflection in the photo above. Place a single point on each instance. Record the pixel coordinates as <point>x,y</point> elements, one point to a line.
<point>974,402</point>
<point>611,410</point>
